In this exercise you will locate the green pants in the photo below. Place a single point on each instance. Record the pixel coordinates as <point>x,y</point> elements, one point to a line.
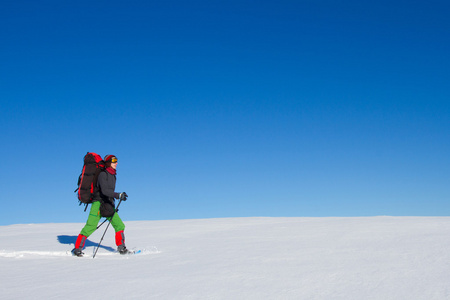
<point>94,218</point>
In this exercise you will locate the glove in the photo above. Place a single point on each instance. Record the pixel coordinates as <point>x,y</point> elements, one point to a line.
<point>123,196</point>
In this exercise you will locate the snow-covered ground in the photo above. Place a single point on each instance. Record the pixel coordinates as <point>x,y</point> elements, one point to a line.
<point>235,258</point>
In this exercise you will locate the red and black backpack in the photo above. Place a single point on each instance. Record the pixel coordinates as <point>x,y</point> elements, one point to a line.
<point>87,182</point>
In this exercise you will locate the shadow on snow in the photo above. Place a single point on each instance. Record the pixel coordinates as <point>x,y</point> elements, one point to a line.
<point>71,239</point>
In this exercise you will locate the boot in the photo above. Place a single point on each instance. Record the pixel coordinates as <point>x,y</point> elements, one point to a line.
<point>123,250</point>
<point>120,242</point>
<point>77,252</point>
<point>79,245</point>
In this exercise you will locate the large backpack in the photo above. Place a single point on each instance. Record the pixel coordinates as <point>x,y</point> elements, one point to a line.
<point>87,182</point>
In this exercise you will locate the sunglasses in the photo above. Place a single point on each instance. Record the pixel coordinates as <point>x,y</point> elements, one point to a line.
<point>114,160</point>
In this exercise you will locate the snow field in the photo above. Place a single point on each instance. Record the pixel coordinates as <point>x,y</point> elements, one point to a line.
<point>235,258</point>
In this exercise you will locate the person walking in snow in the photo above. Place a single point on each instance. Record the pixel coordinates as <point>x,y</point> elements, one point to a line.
<point>103,206</point>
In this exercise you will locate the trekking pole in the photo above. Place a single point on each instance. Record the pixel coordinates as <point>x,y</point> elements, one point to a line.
<point>102,223</point>
<point>98,246</point>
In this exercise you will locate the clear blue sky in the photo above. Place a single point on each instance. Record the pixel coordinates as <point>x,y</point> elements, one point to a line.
<point>227,108</point>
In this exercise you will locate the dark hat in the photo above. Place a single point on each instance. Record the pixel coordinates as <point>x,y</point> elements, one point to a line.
<point>109,159</point>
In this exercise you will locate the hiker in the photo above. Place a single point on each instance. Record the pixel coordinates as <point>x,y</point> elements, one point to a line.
<point>103,206</point>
